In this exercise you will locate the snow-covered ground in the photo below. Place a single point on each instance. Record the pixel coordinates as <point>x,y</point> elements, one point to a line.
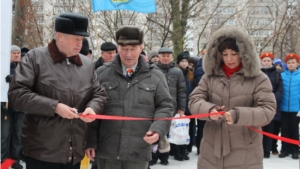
<point>274,162</point>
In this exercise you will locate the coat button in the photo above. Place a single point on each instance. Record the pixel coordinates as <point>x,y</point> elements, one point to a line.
<point>70,148</point>
<point>74,158</point>
<point>70,158</point>
<point>147,88</point>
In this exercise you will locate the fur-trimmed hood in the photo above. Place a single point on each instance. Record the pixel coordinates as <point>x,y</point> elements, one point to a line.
<point>212,60</point>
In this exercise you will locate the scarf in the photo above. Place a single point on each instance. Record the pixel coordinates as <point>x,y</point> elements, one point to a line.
<point>229,71</point>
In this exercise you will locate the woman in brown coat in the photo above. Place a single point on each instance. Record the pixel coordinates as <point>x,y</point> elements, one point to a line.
<point>234,83</point>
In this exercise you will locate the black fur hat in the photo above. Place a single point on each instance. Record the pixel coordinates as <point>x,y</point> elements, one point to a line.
<point>24,51</point>
<point>129,35</point>
<point>71,23</point>
<point>108,46</point>
<point>183,55</point>
<point>85,47</point>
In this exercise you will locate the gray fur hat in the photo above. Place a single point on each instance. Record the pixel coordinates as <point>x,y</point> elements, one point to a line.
<point>212,59</point>
<point>14,48</point>
<point>152,53</point>
<point>165,50</point>
<point>129,35</point>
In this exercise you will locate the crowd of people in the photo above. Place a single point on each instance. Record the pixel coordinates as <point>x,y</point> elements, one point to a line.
<point>53,89</point>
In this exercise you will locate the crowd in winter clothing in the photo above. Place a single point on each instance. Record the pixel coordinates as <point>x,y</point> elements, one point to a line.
<point>229,77</point>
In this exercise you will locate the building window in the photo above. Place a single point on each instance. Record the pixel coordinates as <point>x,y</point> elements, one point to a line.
<point>261,33</point>
<point>259,10</point>
<point>40,21</point>
<point>230,22</point>
<point>226,10</point>
<point>189,49</point>
<point>190,38</point>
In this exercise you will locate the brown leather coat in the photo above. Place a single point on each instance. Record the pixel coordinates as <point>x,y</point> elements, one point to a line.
<point>43,79</point>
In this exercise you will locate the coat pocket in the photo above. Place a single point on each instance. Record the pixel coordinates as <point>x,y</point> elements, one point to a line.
<point>85,88</point>
<point>110,88</point>
<point>54,86</point>
<point>172,81</point>
<point>146,93</point>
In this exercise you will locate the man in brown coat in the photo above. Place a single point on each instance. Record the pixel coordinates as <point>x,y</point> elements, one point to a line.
<point>51,84</point>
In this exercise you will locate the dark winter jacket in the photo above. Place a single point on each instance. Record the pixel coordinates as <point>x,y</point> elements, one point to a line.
<point>190,85</point>
<point>44,78</point>
<point>276,82</point>
<point>98,63</point>
<point>13,66</point>
<point>145,95</point>
<point>198,71</point>
<point>176,83</point>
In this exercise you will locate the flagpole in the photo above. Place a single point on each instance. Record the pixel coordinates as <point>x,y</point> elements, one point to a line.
<point>96,31</point>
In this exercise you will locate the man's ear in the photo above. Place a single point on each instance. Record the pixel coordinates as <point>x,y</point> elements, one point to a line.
<point>59,36</point>
<point>141,47</point>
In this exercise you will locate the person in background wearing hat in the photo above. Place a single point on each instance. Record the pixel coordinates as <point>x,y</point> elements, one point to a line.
<point>24,51</point>
<point>85,49</point>
<point>52,84</point>
<point>153,56</point>
<point>11,119</point>
<point>278,64</point>
<point>145,56</point>
<point>135,89</point>
<point>290,105</point>
<point>270,70</point>
<point>186,63</point>
<point>177,89</point>
<point>108,52</point>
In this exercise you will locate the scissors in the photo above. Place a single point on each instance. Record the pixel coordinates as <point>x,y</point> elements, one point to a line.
<point>75,111</point>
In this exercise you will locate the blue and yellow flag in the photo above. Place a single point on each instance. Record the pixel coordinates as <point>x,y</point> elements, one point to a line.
<point>143,6</point>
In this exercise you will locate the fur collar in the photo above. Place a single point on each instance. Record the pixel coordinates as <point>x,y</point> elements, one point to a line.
<point>212,60</point>
<point>57,56</point>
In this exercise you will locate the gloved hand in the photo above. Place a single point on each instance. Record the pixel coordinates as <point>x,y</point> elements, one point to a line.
<point>8,78</point>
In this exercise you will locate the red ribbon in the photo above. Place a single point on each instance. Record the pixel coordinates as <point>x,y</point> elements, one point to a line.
<point>7,163</point>
<point>106,117</point>
<point>284,139</point>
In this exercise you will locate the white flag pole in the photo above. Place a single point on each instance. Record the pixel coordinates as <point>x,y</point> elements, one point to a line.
<point>5,44</point>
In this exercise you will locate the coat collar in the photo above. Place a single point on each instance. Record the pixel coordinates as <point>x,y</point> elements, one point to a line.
<point>57,56</point>
<point>166,66</point>
<point>141,64</point>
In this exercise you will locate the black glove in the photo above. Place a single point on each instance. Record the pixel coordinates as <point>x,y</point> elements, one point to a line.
<point>8,78</point>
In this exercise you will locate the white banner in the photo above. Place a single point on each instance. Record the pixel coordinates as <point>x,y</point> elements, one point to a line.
<point>6,29</point>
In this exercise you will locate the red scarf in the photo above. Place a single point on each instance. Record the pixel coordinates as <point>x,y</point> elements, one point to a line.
<point>229,71</point>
